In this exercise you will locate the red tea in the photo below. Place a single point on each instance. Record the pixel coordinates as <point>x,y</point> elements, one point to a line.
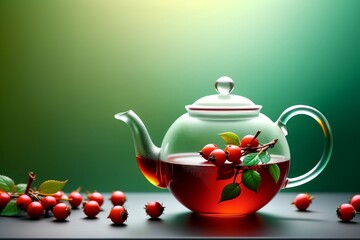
<point>193,181</point>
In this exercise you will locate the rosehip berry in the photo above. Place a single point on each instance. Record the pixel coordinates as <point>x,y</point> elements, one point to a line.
<point>118,214</point>
<point>355,201</point>
<point>58,195</point>
<point>302,201</point>
<point>75,199</point>
<point>48,202</point>
<point>233,153</point>
<point>154,209</point>
<point>91,208</point>
<point>4,199</point>
<point>118,198</point>
<point>249,142</point>
<point>23,202</point>
<point>217,157</point>
<point>61,211</point>
<point>96,196</point>
<point>35,210</point>
<point>346,212</point>
<point>207,149</point>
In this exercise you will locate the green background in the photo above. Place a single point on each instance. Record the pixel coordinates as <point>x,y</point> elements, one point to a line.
<point>66,67</point>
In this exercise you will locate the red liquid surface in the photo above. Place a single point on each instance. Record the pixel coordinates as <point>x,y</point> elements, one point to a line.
<point>193,181</point>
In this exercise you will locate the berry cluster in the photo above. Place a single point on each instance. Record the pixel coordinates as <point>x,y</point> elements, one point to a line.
<point>50,199</point>
<point>243,157</point>
<point>234,150</point>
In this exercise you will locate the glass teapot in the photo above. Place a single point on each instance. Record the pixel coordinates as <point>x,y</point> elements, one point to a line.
<point>196,158</point>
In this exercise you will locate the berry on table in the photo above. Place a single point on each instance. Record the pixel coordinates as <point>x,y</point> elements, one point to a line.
<point>217,157</point>
<point>302,201</point>
<point>61,211</point>
<point>48,202</point>
<point>35,210</point>
<point>96,196</point>
<point>118,198</point>
<point>346,212</point>
<point>91,208</point>
<point>233,153</point>
<point>355,201</point>
<point>75,199</point>
<point>249,141</point>
<point>154,209</point>
<point>23,201</point>
<point>207,149</point>
<point>4,199</point>
<point>118,214</point>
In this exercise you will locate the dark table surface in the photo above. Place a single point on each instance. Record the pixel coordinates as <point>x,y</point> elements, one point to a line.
<point>278,219</point>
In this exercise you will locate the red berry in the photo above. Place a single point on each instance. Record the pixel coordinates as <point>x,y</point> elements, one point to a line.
<point>233,153</point>
<point>346,212</point>
<point>217,157</point>
<point>35,209</point>
<point>302,201</point>
<point>118,214</point>
<point>207,149</point>
<point>154,209</point>
<point>48,202</point>
<point>75,199</point>
<point>23,201</point>
<point>118,198</point>
<point>58,195</point>
<point>249,142</point>
<point>4,199</point>
<point>61,211</point>
<point>96,196</point>
<point>355,201</point>
<point>91,209</point>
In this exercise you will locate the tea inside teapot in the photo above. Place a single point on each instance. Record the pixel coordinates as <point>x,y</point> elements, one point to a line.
<point>195,183</point>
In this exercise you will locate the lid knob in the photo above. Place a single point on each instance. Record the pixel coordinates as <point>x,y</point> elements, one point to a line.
<point>224,85</point>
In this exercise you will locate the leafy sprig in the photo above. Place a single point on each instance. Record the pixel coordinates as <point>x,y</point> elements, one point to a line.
<point>48,187</point>
<point>251,158</point>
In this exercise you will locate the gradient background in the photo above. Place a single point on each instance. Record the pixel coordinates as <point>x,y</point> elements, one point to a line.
<point>66,67</point>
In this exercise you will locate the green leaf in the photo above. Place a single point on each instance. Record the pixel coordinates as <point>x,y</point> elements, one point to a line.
<point>251,159</point>
<point>251,179</point>
<point>11,209</point>
<point>230,191</point>
<point>19,188</point>
<point>225,172</point>
<point>275,172</point>
<point>50,187</point>
<point>264,157</point>
<point>6,183</point>
<point>230,138</point>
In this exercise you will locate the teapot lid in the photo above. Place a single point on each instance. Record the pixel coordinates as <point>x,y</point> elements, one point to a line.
<point>223,103</point>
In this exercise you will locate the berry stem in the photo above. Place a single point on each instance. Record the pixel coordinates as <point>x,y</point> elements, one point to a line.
<point>31,178</point>
<point>236,173</point>
<point>262,148</point>
<point>255,136</point>
<point>14,195</point>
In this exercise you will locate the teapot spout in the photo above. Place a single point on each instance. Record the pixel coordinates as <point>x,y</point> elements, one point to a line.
<point>142,141</point>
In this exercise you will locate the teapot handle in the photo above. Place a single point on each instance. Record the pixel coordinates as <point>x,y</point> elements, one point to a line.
<point>328,138</point>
